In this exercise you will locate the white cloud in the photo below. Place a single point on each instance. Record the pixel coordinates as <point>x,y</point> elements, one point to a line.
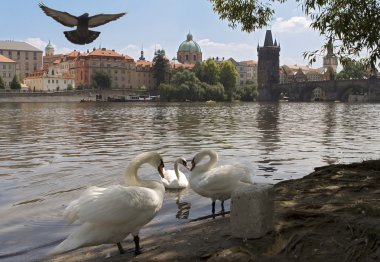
<point>238,51</point>
<point>41,44</point>
<point>296,24</point>
<point>37,42</point>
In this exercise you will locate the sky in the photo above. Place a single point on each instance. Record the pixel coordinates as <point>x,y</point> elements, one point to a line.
<point>160,24</point>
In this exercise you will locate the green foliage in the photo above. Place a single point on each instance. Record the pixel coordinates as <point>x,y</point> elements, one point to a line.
<point>186,86</point>
<point>101,80</point>
<point>211,72</point>
<point>15,84</point>
<point>160,66</point>
<point>70,87</point>
<point>251,15</point>
<point>198,69</point>
<point>227,77</point>
<point>2,84</point>
<point>248,92</point>
<point>213,92</point>
<point>353,25</point>
<point>353,69</point>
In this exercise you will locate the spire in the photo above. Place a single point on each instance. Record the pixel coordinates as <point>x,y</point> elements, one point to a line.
<point>268,38</point>
<point>142,54</point>
<point>275,42</point>
<point>330,48</point>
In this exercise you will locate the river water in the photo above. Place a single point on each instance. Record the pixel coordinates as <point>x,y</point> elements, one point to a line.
<point>51,152</point>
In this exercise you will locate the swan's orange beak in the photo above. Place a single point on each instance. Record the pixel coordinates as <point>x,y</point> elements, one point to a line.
<point>161,169</point>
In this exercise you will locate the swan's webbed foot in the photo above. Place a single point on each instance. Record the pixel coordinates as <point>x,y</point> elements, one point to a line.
<point>223,208</point>
<point>213,209</point>
<point>136,239</point>
<point>120,247</point>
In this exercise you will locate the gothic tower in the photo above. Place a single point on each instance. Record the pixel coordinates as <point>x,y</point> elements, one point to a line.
<point>268,67</point>
<point>330,61</point>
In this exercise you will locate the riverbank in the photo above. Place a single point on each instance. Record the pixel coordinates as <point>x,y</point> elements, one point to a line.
<point>64,96</point>
<point>331,214</point>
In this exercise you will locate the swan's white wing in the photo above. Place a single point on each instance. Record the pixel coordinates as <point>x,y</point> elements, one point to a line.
<point>112,205</point>
<point>221,178</point>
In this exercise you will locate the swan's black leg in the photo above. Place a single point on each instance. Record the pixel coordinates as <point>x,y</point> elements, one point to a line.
<point>222,208</point>
<point>213,209</point>
<point>120,247</point>
<point>137,245</point>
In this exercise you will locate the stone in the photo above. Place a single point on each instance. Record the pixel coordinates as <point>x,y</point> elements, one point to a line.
<point>252,211</point>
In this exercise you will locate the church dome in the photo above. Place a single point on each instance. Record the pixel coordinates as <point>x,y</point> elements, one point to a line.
<point>189,45</point>
<point>49,46</point>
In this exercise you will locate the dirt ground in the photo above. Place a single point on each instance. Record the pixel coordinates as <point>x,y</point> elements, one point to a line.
<point>333,214</point>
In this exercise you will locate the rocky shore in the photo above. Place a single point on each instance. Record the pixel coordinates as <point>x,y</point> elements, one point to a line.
<point>332,214</point>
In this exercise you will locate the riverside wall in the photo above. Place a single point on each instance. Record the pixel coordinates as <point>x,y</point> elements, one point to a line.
<point>64,96</point>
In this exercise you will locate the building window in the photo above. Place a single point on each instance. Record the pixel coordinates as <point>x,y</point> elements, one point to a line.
<point>187,57</point>
<point>194,57</point>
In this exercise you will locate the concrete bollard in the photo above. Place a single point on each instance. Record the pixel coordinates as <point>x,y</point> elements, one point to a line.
<point>252,211</point>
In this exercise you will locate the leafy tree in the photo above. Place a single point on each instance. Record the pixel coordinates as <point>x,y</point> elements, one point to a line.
<point>70,87</point>
<point>248,92</point>
<point>228,75</point>
<point>160,66</point>
<point>198,69</point>
<point>15,84</point>
<point>101,80</point>
<point>188,86</point>
<point>167,92</point>
<point>2,84</point>
<point>353,69</point>
<point>213,92</point>
<point>211,72</point>
<point>352,24</point>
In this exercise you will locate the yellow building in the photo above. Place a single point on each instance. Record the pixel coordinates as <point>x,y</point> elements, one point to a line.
<point>27,57</point>
<point>7,70</point>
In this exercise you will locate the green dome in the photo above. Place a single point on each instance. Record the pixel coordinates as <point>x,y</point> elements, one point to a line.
<point>49,46</point>
<point>189,45</point>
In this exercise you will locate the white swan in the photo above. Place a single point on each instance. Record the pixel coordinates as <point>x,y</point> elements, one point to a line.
<point>175,179</point>
<point>108,215</point>
<point>217,183</point>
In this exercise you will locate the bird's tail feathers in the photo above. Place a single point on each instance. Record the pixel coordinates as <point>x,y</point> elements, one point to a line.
<point>75,38</point>
<point>64,247</point>
<point>247,172</point>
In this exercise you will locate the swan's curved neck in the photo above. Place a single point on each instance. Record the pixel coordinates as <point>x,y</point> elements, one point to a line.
<point>211,163</point>
<point>131,178</point>
<point>176,168</point>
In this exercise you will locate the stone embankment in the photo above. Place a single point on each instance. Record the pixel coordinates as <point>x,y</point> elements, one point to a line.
<point>64,96</point>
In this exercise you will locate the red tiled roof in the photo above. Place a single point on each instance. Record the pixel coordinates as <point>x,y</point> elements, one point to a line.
<point>104,52</point>
<point>4,59</point>
<point>143,63</point>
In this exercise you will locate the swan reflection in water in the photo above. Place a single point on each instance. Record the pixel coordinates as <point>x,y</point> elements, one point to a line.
<point>183,210</point>
<point>183,207</point>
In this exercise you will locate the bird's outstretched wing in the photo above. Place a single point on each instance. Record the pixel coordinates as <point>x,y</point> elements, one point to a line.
<point>102,19</point>
<point>62,17</point>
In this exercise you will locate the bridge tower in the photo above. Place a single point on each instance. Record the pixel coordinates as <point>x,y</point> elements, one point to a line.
<point>330,61</point>
<point>268,67</point>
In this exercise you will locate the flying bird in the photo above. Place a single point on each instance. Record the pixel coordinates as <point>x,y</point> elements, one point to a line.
<point>82,35</point>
